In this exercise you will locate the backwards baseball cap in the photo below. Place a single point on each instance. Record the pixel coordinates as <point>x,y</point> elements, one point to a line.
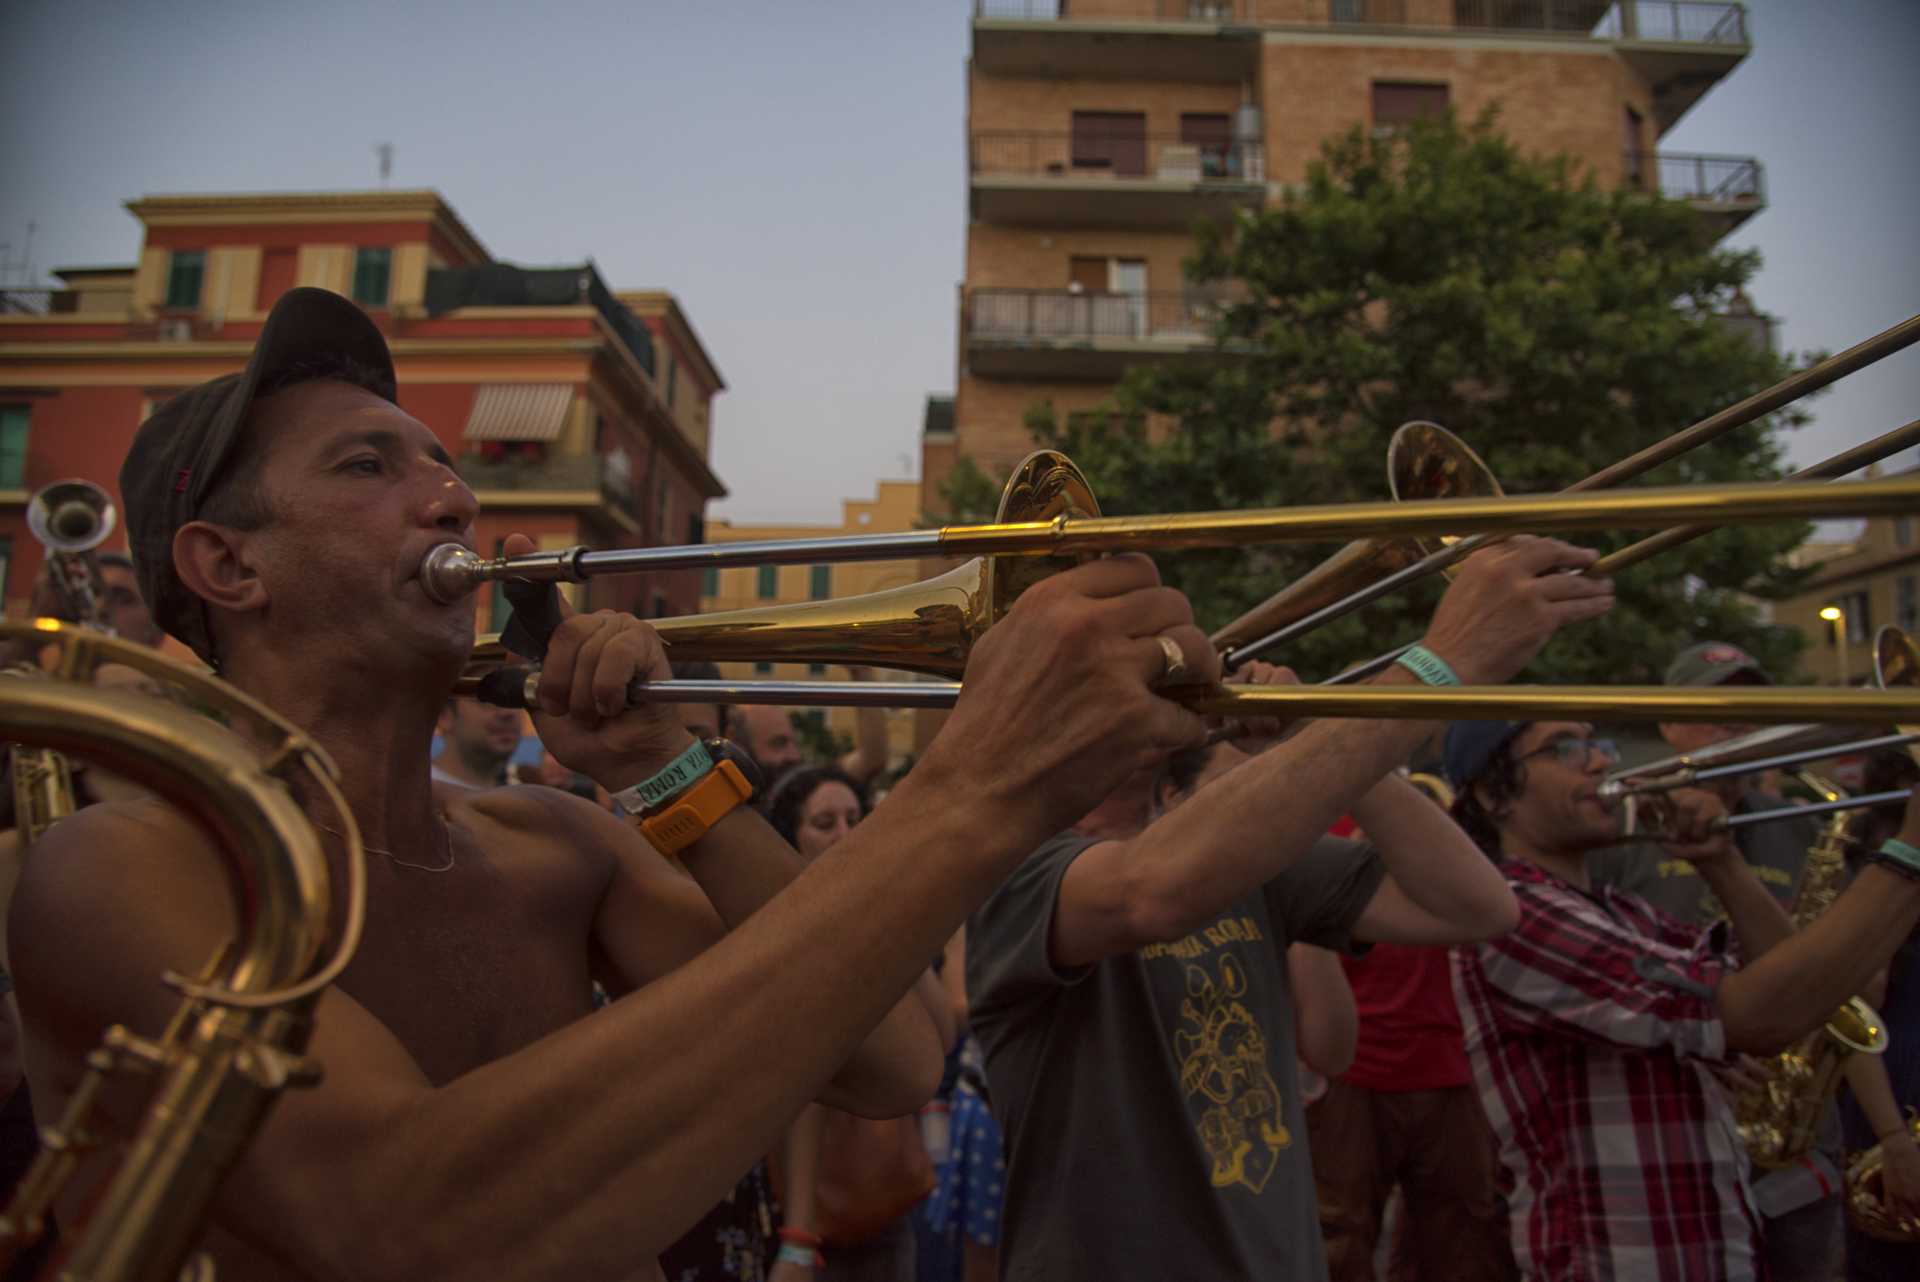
<point>1470,746</point>
<point>182,451</point>
<point>1713,663</point>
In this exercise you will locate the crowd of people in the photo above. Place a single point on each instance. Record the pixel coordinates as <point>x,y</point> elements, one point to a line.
<point>1119,993</point>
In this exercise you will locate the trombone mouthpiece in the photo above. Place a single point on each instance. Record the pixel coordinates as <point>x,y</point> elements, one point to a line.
<point>449,572</point>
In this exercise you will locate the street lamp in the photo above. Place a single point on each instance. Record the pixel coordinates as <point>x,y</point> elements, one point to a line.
<point>1838,618</point>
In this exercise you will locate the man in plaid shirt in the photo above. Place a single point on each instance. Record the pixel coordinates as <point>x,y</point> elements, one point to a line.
<point>1595,1028</point>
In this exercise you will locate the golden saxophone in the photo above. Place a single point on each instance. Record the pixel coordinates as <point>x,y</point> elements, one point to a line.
<point>1866,1204</point>
<point>1778,1118</point>
<point>237,1038</point>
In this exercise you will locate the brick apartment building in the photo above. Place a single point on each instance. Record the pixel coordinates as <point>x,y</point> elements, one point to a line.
<point>578,414</point>
<point>1100,130</point>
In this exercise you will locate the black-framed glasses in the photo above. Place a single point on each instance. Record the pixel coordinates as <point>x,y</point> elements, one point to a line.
<point>1575,752</point>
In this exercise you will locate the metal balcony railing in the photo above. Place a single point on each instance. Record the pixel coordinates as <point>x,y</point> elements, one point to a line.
<point>1066,155</point>
<point>1719,179</point>
<point>1074,315</point>
<point>1673,21</point>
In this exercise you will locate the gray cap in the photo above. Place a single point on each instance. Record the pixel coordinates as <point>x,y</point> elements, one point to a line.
<point>180,452</point>
<point>1713,663</point>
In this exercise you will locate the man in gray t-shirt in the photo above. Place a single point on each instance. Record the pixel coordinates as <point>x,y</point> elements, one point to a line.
<point>1154,1125</point>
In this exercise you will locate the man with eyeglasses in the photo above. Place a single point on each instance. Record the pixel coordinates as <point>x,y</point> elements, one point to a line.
<point>1597,1026</point>
<point>1775,851</point>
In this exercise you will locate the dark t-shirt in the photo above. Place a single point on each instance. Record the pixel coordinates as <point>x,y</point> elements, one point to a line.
<point>1775,851</point>
<point>1154,1127</point>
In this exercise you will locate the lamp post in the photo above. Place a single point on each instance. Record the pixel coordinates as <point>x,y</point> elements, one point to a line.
<point>1838,618</point>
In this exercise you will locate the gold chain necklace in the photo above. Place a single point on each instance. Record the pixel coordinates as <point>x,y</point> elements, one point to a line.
<point>444,828</point>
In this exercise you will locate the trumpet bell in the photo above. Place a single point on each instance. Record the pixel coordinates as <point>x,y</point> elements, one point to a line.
<point>71,516</point>
<point>1424,461</point>
<point>1896,659</point>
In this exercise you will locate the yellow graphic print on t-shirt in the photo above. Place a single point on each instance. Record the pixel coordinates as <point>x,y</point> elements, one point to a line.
<point>1224,1059</point>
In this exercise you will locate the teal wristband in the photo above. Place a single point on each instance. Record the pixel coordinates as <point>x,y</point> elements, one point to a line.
<point>1428,666</point>
<point>804,1256</point>
<point>678,775</point>
<point>1899,852</point>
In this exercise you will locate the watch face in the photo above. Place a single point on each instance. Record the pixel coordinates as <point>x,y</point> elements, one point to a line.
<point>728,750</point>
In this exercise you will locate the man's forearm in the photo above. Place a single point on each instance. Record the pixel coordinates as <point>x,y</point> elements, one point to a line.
<point>1433,862</point>
<point>1873,1092</point>
<point>1795,985</point>
<point>646,1114</point>
<point>1758,920</point>
<point>1246,826</point>
<point>741,864</point>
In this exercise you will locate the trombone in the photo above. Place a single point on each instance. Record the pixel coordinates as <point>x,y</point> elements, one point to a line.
<point>1896,664</point>
<point>1048,512</point>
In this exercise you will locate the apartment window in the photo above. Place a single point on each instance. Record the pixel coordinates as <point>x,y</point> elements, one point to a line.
<point>769,582</point>
<point>710,581</point>
<point>660,606</point>
<point>820,582</point>
<point>13,447</point>
<point>1398,103</point>
<point>1210,133</point>
<point>1906,602</point>
<point>663,510</point>
<point>762,668</point>
<point>372,276</point>
<point>1857,607</point>
<point>184,272</point>
<point>1110,141</point>
<point>696,528</point>
<point>816,669</point>
<point>1903,531</point>
<point>1632,136</point>
<point>673,380</point>
<point>6,566</point>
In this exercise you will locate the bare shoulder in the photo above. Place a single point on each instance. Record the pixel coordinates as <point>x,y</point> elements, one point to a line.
<point>564,829</point>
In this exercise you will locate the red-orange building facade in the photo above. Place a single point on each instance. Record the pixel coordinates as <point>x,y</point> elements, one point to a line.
<point>577,415</point>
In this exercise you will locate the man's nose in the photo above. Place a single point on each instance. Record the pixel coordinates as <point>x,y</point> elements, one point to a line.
<point>446,500</point>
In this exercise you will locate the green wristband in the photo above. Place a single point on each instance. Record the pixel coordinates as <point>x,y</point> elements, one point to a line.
<point>1897,851</point>
<point>1428,666</point>
<point>676,776</point>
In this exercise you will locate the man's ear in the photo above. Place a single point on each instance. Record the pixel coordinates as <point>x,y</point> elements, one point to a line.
<point>211,561</point>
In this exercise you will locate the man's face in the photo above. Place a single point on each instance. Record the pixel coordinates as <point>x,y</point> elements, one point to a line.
<point>121,603</point>
<point>480,731</point>
<point>1558,809</point>
<point>770,738</point>
<point>360,490</point>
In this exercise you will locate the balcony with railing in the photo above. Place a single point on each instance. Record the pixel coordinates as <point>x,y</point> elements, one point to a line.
<point>1082,334</point>
<point>1134,180</point>
<point>1725,189</point>
<point>1681,47</point>
<point>528,473</point>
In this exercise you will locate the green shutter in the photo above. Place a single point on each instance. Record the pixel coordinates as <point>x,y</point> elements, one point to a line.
<point>372,270</point>
<point>821,584</point>
<point>769,582</point>
<point>710,581</point>
<point>184,271</point>
<point>13,447</point>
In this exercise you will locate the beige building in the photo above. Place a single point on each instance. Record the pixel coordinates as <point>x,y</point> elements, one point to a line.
<point>895,507</point>
<point>1100,130</point>
<point>1871,581</point>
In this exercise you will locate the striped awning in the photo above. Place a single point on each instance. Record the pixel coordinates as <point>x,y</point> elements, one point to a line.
<point>519,412</point>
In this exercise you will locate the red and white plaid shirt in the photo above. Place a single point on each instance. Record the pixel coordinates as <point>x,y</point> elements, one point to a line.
<point>1591,1029</point>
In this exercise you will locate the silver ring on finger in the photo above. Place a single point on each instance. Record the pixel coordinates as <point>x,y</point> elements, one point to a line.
<point>1176,659</point>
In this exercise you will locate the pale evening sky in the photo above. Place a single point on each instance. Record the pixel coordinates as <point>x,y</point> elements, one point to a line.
<point>795,173</point>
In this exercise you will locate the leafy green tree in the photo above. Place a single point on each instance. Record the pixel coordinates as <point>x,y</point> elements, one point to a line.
<point>1441,274</point>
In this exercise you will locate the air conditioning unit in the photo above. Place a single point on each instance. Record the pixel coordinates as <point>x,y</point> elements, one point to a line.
<point>175,329</point>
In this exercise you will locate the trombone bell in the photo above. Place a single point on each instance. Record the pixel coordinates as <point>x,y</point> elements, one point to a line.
<point>71,516</point>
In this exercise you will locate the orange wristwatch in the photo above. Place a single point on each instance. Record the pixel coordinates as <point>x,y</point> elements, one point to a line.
<point>678,820</point>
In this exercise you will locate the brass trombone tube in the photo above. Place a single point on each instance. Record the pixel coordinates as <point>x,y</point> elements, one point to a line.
<point>1852,460</point>
<point>1880,447</point>
<point>1752,704</point>
<point>1688,776</point>
<point>1789,389</point>
<point>449,575</point>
